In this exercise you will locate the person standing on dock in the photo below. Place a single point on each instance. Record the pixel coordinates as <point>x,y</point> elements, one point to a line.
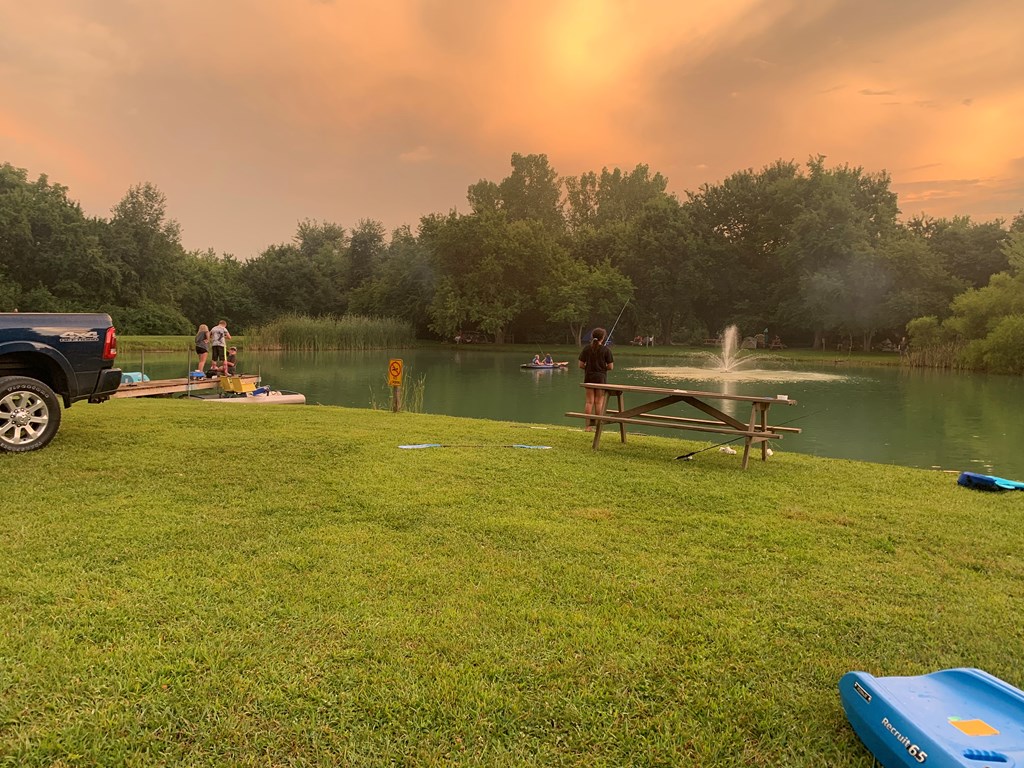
<point>202,345</point>
<point>596,360</point>
<point>219,337</point>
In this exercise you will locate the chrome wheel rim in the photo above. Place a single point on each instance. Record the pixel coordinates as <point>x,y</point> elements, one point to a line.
<point>23,418</point>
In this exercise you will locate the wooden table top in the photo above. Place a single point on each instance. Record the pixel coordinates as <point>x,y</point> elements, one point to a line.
<point>689,393</point>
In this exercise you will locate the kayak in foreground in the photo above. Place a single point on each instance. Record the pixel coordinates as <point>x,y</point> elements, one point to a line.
<point>947,719</point>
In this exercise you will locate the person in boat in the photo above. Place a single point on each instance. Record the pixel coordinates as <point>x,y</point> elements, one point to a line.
<point>548,360</point>
<point>536,360</point>
<point>595,361</point>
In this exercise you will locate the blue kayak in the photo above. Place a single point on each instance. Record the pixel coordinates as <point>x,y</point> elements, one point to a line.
<point>956,718</point>
<point>988,482</point>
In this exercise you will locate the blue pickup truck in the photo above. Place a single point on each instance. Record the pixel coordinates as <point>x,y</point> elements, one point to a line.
<point>44,357</point>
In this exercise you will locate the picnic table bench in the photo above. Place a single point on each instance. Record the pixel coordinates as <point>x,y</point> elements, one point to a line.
<point>755,431</point>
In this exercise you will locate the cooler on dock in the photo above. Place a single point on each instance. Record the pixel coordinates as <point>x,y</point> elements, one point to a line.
<point>236,385</point>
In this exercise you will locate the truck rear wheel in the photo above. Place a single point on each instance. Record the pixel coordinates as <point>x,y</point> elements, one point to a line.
<point>29,414</point>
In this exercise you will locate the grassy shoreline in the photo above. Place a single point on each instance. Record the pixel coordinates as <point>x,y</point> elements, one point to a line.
<point>285,586</point>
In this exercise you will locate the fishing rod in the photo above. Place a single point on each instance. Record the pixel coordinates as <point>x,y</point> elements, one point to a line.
<point>689,456</point>
<point>608,339</point>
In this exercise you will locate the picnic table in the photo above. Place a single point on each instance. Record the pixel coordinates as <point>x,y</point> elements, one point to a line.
<point>756,431</point>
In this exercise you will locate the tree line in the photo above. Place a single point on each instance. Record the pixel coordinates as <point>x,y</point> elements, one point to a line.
<point>817,254</point>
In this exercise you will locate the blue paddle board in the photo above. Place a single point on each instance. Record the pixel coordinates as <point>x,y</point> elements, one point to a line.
<point>988,482</point>
<point>956,718</point>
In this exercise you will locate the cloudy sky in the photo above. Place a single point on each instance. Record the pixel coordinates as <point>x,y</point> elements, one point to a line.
<point>251,115</point>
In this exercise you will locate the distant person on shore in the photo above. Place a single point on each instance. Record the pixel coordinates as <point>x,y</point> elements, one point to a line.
<point>219,337</point>
<point>595,361</point>
<point>202,345</point>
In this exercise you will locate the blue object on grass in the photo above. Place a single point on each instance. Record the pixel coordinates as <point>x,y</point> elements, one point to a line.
<point>954,718</point>
<point>988,482</point>
<point>444,445</point>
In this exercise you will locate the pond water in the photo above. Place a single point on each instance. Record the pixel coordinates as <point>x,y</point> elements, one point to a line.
<point>910,417</point>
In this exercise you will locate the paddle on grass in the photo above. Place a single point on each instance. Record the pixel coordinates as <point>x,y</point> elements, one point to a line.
<point>482,445</point>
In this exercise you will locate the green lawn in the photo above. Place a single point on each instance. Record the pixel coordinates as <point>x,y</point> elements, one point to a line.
<point>183,583</point>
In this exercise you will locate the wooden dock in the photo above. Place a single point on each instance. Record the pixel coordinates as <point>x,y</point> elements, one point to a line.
<point>174,386</point>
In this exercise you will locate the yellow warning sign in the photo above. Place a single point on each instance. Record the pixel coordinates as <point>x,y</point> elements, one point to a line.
<point>394,373</point>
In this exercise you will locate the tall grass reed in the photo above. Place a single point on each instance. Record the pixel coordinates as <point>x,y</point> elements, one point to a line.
<point>410,400</point>
<point>313,334</point>
<point>946,354</point>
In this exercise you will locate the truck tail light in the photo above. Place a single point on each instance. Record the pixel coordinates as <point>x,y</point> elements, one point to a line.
<point>110,344</point>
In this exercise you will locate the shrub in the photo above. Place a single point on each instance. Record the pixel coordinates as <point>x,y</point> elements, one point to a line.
<point>150,319</point>
<point>1002,350</point>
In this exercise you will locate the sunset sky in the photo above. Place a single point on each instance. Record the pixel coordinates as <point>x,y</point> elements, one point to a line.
<point>251,115</point>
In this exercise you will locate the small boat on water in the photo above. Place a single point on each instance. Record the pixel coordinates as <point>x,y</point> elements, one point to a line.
<point>236,389</point>
<point>270,397</point>
<point>953,718</point>
<point>543,367</point>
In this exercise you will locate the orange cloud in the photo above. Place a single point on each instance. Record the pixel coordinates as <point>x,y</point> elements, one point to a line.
<point>252,116</point>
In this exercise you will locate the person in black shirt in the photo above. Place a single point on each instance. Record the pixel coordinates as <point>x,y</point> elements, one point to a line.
<point>596,360</point>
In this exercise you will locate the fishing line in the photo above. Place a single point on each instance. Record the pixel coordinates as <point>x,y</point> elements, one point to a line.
<point>608,340</point>
<point>689,456</point>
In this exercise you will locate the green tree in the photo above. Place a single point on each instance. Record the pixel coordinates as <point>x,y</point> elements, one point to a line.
<point>969,251</point>
<point>493,267</point>
<point>366,249</point>
<point>532,192</point>
<point>743,228</point>
<point>835,240</point>
<point>577,293</point>
<point>666,269</point>
<point>402,283</point>
<point>46,242</point>
<point>215,288</point>
<point>1013,249</point>
<point>614,196</point>
<point>146,246</point>
<point>920,284</point>
<point>977,311</point>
